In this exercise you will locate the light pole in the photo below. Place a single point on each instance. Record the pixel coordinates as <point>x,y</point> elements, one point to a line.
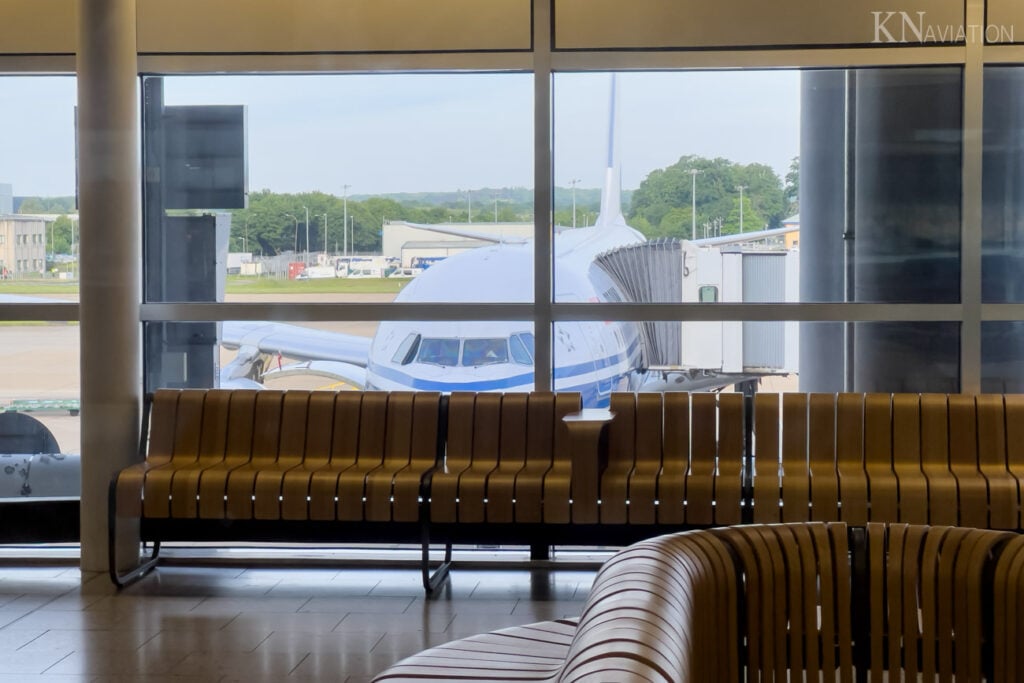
<point>495,207</point>
<point>295,248</point>
<point>344,220</point>
<point>573,183</point>
<point>469,206</point>
<point>741,188</point>
<point>305,259</point>
<point>693,201</point>
<point>325,235</point>
<point>245,236</point>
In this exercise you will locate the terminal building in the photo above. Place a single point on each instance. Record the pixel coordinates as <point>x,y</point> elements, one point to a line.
<point>910,248</point>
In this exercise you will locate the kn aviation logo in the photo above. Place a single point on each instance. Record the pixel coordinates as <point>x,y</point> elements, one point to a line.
<point>899,27</point>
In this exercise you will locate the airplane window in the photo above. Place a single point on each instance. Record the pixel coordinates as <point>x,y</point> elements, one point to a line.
<point>407,350</point>
<point>527,338</point>
<point>439,352</point>
<point>484,352</point>
<point>519,352</point>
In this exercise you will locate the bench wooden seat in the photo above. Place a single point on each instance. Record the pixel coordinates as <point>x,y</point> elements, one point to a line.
<point>794,601</point>
<point>272,465</point>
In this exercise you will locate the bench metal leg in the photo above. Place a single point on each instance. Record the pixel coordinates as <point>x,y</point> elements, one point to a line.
<point>431,582</point>
<point>130,577</point>
<point>142,565</point>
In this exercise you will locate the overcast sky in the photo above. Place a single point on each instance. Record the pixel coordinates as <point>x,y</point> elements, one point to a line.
<point>432,132</point>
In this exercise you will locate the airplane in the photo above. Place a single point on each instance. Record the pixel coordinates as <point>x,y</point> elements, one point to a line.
<point>592,357</point>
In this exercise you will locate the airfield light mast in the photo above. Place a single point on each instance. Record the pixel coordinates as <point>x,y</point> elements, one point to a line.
<point>574,182</point>
<point>694,172</point>
<point>344,221</point>
<point>306,257</point>
<point>741,188</point>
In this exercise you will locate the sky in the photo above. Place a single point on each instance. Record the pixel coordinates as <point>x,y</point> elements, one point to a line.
<point>435,132</point>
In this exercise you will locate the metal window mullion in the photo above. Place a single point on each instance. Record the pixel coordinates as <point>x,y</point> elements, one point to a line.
<point>542,194</point>
<point>971,201</point>
<point>328,312</point>
<point>757,312</point>
<point>839,58</point>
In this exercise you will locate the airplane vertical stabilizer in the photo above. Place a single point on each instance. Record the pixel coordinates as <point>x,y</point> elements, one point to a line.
<point>611,194</point>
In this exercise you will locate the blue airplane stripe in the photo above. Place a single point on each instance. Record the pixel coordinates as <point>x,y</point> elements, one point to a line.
<point>599,364</point>
<point>433,385</point>
<point>564,372</point>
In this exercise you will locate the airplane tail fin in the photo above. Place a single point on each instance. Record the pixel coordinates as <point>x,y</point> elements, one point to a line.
<point>611,194</point>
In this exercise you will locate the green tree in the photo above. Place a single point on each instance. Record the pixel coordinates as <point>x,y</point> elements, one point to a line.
<point>61,235</point>
<point>662,205</point>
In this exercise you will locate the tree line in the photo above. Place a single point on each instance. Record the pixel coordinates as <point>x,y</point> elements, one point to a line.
<point>661,206</point>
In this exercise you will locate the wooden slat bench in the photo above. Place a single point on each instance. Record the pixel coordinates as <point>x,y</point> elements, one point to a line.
<point>779,602</point>
<point>277,466</point>
<point>506,468</point>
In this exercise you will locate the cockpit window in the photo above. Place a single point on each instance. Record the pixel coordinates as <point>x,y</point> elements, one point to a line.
<point>406,350</point>
<point>521,353</point>
<point>439,352</point>
<point>484,352</point>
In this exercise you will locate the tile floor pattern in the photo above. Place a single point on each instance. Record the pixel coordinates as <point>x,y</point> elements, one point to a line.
<point>183,624</point>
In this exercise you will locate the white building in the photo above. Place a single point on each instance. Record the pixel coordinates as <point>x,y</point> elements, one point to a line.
<point>22,246</point>
<point>403,241</point>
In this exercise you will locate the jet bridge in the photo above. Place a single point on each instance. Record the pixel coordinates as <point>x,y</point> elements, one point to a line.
<point>679,271</point>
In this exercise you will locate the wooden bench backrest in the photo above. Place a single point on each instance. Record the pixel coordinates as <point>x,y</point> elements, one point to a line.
<point>919,459</point>
<point>233,454</point>
<point>673,459</point>
<point>927,587</point>
<point>507,459</point>
<point>663,609</point>
<point>797,603</point>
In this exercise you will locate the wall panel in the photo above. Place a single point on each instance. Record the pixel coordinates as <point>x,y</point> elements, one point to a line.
<point>271,26</point>
<point>597,24</point>
<point>1005,21</point>
<point>38,26</point>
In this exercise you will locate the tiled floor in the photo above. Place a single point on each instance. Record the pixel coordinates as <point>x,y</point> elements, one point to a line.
<point>228,624</point>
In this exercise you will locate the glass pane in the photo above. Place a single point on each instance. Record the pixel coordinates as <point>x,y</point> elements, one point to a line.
<point>597,358</point>
<point>853,175</point>
<point>38,216</point>
<point>1003,182</point>
<point>40,429</point>
<point>394,356</point>
<point>411,187</point>
<point>1002,357</point>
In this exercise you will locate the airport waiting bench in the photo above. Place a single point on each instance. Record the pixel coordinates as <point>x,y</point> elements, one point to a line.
<point>507,468</point>
<point>790,601</point>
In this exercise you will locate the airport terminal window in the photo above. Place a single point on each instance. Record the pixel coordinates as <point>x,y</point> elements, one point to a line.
<point>828,185</point>
<point>378,188</point>
<point>775,356</point>
<point>40,385</point>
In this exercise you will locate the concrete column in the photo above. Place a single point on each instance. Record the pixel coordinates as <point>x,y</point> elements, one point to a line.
<point>110,257</point>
